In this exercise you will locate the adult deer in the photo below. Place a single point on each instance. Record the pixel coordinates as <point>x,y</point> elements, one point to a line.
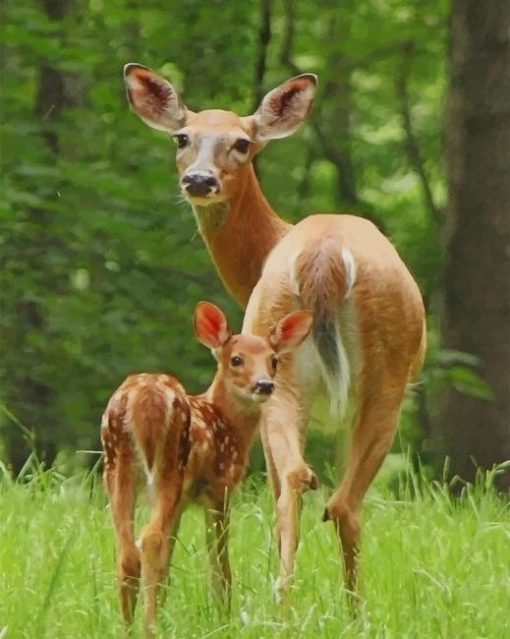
<point>192,448</point>
<point>368,339</point>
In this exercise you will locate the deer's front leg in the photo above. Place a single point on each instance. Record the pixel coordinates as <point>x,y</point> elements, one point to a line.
<point>283,427</point>
<point>217,522</point>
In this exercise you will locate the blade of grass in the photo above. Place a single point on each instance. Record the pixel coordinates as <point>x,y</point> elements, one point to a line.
<point>52,587</point>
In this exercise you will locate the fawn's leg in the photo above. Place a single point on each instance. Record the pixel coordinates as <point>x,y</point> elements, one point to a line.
<point>119,479</point>
<point>156,544</point>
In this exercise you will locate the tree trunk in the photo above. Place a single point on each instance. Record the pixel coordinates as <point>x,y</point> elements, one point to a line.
<point>475,432</point>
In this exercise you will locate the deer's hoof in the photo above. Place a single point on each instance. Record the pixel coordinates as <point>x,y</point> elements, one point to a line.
<point>302,479</point>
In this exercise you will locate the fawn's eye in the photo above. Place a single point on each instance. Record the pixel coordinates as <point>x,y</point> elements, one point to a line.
<point>181,140</point>
<point>274,363</point>
<point>242,145</point>
<point>236,361</point>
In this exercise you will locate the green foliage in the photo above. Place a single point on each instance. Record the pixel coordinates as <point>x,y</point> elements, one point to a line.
<point>102,264</point>
<point>431,566</point>
<point>449,367</point>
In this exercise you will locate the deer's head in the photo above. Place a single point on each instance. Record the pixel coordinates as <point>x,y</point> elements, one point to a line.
<point>214,146</point>
<point>248,364</point>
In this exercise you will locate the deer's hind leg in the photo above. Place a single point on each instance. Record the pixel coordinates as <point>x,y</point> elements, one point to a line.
<point>375,425</point>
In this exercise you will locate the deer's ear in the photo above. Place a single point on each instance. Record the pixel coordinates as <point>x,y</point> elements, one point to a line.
<point>211,326</point>
<point>291,331</point>
<point>154,99</point>
<point>285,108</point>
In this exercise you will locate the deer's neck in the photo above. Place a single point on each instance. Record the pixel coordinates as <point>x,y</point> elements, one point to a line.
<point>239,234</point>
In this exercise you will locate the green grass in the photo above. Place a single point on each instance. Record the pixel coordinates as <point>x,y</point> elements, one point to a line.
<point>431,568</point>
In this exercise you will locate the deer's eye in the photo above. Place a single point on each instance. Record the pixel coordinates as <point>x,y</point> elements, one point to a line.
<point>242,145</point>
<point>236,361</point>
<point>181,140</point>
<point>274,363</point>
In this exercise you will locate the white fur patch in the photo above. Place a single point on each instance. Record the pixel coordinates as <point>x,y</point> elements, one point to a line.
<point>205,163</point>
<point>350,269</point>
<point>294,283</point>
<point>339,388</point>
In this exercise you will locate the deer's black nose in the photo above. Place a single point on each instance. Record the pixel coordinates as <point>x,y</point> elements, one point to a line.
<point>199,184</point>
<point>264,387</point>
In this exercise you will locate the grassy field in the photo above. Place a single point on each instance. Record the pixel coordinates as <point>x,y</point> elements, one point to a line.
<point>431,568</point>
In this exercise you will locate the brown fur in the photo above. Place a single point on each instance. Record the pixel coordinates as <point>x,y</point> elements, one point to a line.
<point>192,448</point>
<point>378,326</point>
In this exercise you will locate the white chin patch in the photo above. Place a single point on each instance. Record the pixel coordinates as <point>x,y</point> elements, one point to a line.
<point>259,398</point>
<point>208,200</point>
<point>249,397</point>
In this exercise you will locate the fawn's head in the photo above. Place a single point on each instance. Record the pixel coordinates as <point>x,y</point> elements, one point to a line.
<point>247,364</point>
<point>215,146</point>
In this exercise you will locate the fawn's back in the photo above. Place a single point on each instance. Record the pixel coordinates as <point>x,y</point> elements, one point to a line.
<point>147,420</point>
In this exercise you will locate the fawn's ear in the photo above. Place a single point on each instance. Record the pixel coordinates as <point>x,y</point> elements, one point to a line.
<point>154,99</point>
<point>285,108</point>
<point>291,331</point>
<point>211,327</point>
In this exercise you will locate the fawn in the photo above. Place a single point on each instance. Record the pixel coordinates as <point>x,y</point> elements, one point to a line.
<point>192,449</point>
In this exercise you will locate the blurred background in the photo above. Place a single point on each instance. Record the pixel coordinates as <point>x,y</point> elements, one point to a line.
<point>101,261</point>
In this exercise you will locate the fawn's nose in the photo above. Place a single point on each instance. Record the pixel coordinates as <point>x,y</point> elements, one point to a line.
<point>264,387</point>
<point>200,184</point>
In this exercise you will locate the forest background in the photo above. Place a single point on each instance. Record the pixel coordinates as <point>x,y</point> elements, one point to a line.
<point>102,264</point>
